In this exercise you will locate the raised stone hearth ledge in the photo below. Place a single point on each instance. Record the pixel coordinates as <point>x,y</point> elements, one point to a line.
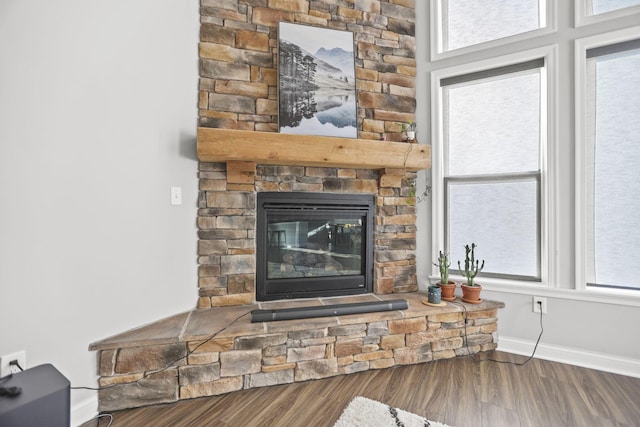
<point>247,355</point>
<point>270,148</point>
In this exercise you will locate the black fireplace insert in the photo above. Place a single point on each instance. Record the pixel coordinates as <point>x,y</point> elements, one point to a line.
<point>313,245</point>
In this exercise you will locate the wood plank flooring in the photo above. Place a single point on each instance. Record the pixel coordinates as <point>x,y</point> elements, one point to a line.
<point>463,392</point>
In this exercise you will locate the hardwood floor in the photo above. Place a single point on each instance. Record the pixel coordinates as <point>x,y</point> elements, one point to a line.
<point>463,392</point>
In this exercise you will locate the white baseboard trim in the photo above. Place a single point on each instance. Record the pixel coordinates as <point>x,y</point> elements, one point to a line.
<point>84,411</point>
<point>572,356</point>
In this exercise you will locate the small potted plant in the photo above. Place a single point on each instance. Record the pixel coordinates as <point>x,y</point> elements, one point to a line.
<point>471,290</point>
<point>409,128</point>
<point>448,286</point>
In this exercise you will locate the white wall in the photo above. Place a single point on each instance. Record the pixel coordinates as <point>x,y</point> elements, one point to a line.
<point>98,114</point>
<point>582,329</point>
<point>97,121</point>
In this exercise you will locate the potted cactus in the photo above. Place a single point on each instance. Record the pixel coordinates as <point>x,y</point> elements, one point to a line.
<point>471,290</point>
<point>447,286</point>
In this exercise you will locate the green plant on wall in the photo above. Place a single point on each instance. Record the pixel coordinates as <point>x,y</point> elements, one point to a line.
<point>408,126</point>
<point>409,129</point>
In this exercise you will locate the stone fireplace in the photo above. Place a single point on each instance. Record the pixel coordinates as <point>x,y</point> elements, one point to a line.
<point>242,156</point>
<point>215,349</point>
<point>227,221</point>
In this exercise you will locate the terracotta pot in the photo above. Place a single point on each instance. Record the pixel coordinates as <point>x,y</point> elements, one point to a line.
<point>448,291</point>
<point>471,294</point>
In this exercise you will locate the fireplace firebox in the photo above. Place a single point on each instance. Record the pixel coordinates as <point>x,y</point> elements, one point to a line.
<point>313,245</point>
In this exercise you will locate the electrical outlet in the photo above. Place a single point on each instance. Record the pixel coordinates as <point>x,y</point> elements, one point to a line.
<point>6,368</point>
<point>538,304</point>
<point>5,363</point>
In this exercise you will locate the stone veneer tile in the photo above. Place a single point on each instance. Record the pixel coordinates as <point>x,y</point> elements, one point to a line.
<point>162,389</point>
<point>381,363</point>
<point>316,369</point>
<point>275,305</point>
<point>348,347</point>
<point>370,317</point>
<point>374,355</point>
<point>211,345</point>
<point>308,334</point>
<point>143,358</point>
<point>240,362</point>
<point>412,355</point>
<point>392,341</point>
<point>270,364</point>
<point>354,367</point>
<point>479,339</point>
<point>348,330</point>
<point>315,352</point>
<point>444,354</point>
<point>120,379</point>
<point>107,362</point>
<point>264,379</point>
<point>482,314</point>
<point>214,388</point>
<point>404,326</point>
<point>161,332</point>
<point>316,341</point>
<point>202,358</point>
<point>301,324</point>
<point>447,343</point>
<point>351,299</point>
<point>259,341</point>
<point>199,374</point>
<point>207,321</point>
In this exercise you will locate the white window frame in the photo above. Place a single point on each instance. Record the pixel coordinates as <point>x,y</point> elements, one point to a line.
<point>548,192</point>
<point>583,18</point>
<point>548,19</point>
<point>581,159</point>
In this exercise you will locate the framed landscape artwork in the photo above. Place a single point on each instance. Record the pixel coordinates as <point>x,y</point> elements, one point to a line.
<point>316,81</point>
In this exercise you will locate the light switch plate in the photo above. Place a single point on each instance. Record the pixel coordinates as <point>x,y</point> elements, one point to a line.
<point>176,195</point>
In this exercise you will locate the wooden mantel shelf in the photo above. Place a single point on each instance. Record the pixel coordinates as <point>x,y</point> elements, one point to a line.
<point>271,148</point>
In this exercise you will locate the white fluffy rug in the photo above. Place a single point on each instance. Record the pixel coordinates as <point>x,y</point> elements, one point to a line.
<point>363,412</point>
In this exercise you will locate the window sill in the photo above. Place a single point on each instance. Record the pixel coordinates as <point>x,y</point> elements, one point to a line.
<point>601,296</point>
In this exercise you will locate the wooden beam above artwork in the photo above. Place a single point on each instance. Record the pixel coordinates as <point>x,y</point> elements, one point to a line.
<point>271,148</point>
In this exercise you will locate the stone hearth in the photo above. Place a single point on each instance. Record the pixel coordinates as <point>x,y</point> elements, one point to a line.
<point>217,350</point>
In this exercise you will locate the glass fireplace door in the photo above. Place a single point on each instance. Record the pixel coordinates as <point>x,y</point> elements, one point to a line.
<point>313,248</point>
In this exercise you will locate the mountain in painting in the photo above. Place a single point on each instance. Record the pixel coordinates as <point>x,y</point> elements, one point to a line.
<point>337,57</point>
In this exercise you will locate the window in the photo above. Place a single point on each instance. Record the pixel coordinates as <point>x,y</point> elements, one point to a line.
<point>596,7</point>
<point>611,134</point>
<point>592,11</point>
<point>492,138</point>
<point>535,146</point>
<point>463,23</point>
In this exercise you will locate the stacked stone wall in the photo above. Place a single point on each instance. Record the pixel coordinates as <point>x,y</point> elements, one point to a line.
<point>238,90</point>
<point>307,351</point>
<point>238,60</point>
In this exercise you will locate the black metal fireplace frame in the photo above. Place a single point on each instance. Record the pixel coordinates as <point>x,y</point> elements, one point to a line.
<point>314,203</point>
